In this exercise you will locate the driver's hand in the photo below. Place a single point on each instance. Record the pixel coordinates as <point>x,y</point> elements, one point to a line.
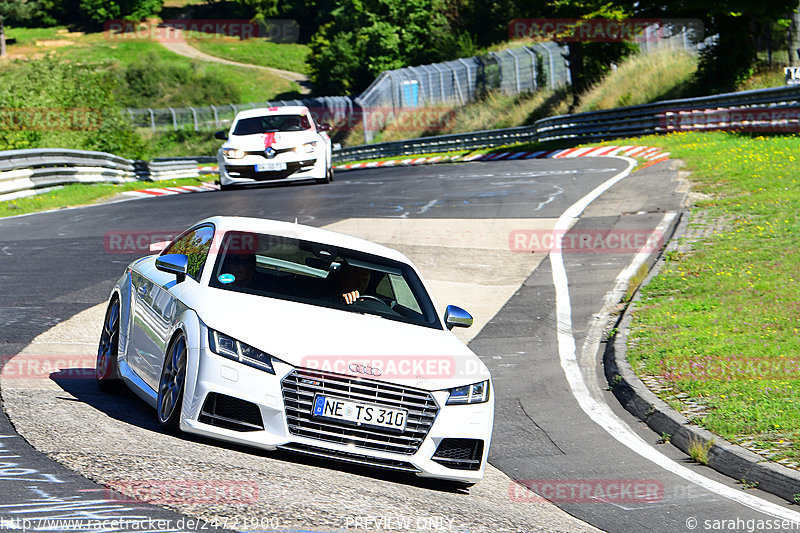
<point>350,297</point>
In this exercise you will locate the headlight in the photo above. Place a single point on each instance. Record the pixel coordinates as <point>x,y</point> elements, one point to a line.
<point>238,351</point>
<point>306,148</point>
<point>475,393</point>
<point>233,153</point>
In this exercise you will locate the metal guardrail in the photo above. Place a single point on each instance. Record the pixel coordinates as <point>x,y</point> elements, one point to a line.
<point>774,109</point>
<point>26,172</point>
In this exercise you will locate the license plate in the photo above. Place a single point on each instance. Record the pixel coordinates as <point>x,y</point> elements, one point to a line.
<point>275,165</point>
<point>361,413</point>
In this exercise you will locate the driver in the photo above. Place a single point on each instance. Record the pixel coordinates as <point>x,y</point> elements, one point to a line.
<point>243,268</point>
<point>352,282</point>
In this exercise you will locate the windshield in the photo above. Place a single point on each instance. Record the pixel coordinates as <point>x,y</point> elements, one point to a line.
<point>322,275</point>
<point>271,123</point>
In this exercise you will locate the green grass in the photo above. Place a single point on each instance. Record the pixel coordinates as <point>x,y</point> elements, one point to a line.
<point>83,194</point>
<point>641,79</point>
<point>251,85</point>
<point>285,56</point>
<point>720,323</point>
<point>180,143</point>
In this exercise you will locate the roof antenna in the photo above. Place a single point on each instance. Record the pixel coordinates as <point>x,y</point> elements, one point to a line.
<point>295,220</point>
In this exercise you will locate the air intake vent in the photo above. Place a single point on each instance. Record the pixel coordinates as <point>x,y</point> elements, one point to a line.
<point>459,454</point>
<point>231,413</point>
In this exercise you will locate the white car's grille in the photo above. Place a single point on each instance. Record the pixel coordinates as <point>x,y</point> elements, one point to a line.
<point>300,387</point>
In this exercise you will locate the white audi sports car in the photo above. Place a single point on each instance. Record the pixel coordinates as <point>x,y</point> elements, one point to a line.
<point>284,336</point>
<point>271,144</point>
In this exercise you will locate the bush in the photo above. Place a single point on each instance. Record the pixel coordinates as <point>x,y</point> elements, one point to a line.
<point>150,82</point>
<point>50,104</point>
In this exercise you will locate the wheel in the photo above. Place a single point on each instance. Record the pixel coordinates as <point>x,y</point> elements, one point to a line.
<point>170,386</point>
<point>328,176</point>
<point>370,298</point>
<point>106,371</point>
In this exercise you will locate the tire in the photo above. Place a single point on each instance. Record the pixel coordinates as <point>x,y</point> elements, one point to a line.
<point>328,176</point>
<point>171,385</point>
<point>106,370</point>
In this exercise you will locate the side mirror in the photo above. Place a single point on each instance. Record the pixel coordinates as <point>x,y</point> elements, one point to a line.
<point>222,135</point>
<point>324,127</point>
<point>177,264</point>
<point>455,317</point>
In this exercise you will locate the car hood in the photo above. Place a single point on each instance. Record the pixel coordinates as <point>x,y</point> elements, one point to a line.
<point>338,341</point>
<point>277,140</point>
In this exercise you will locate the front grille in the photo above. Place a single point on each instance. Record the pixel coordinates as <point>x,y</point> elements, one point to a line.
<point>460,454</point>
<point>349,457</point>
<point>231,413</point>
<point>249,171</point>
<point>300,386</point>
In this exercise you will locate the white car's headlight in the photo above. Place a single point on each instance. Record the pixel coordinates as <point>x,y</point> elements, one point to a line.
<point>475,393</point>
<point>233,153</point>
<point>306,148</point>
<point>235,350</point>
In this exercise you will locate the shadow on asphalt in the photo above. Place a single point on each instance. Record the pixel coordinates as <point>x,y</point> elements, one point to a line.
<point>126,407</point>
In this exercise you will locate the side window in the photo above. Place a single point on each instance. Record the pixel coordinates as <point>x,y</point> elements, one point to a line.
<point>194,245</point>
<point>403,293</point>
<point>384,288</point>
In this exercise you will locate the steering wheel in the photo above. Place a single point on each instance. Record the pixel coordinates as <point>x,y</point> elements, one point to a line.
<point>370,297</point>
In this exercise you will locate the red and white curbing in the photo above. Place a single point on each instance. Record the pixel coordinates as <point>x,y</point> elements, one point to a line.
<point>149,193</point>
<point>651,154</point>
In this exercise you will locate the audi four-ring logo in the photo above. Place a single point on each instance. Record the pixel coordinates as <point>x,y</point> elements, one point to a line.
<point>364,369</point>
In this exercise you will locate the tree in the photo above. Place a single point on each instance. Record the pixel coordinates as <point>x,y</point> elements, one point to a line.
<point>13,10</point>
<point>104,10</point>
<point>590,61</point>
<point>732,57</point>
<point>366,37</point>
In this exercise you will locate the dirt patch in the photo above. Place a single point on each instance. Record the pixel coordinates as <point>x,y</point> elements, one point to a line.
<point>55,43</point>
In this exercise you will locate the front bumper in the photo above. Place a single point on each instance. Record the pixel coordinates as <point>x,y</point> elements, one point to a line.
<point>242,171</point>
<point>260,409</point>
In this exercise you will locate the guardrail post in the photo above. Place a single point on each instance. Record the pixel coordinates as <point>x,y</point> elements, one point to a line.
<point>152,119</point>
<point>216,116</point>
<point>441,81</point>
<point>516,69</point>
<point>456,83</point>
<point>194,115</point>
<point>534,84</point>
<point>470,88</point>
<point>174,119</point>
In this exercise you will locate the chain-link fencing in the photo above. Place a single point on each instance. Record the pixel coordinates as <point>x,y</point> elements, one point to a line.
<point>330,109</point>
<point>420,89</point>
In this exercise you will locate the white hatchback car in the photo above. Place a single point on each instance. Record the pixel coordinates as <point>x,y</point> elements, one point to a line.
<point>276,143</point>
<point>280,335</point>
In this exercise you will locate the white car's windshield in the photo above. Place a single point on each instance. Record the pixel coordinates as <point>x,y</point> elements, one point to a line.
<point>271,123</point>
<point>320,274</point>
